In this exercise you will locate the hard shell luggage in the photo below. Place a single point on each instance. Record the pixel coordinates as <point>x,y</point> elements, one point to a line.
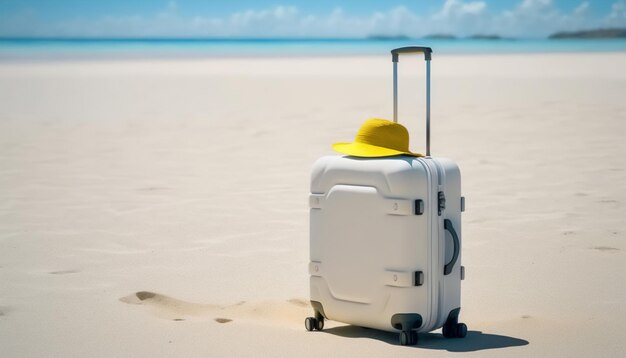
<point>385,239</point>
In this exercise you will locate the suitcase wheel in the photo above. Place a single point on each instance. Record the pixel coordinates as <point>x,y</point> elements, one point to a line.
<point>458,330</point>
<point>312,323</point>
<point>461,330</point>
<point>408,338</point>
<point>319,324</point>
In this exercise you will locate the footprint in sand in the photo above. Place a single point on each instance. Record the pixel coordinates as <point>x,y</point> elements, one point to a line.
<point>287,312</point>
<point>144,295</point>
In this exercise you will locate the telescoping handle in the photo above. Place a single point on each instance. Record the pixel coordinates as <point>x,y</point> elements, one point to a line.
<point>395,54</point>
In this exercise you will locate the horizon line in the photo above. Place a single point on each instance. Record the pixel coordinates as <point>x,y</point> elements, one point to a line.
<point>381,38</point>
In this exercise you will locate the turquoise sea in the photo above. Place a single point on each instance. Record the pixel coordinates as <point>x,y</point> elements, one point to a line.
<point>44,49</point>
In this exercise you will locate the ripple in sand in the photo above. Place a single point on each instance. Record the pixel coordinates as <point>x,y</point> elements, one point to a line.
<point>606,249</point>
<point>289,311</point>
<point>63,272</point>
<point>153,188</point>
<point>298,302</point>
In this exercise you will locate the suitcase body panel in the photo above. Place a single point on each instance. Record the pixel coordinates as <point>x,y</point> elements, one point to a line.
<point>373,255</point>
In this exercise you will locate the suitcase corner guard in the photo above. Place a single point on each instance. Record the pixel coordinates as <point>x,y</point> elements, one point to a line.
<point>315,268</point>
<point>316,201</point>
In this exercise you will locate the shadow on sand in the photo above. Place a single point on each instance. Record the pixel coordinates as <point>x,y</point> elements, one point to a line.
<point>474,341</point>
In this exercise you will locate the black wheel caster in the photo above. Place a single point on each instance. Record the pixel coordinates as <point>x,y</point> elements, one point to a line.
<point>319,324</point>
<point>408,338</point>
<point>458,330</point>
<point>461,330</point>
<point>404,338</point>
<point>310,323</point>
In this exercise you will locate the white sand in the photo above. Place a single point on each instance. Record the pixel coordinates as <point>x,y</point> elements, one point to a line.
<point>189,180</point>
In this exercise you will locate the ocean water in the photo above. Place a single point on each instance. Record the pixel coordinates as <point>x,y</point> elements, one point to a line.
<point>44,49</point>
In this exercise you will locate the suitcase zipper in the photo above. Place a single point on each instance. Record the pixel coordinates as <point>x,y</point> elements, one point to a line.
<point>433,264</point>
<point>440,243</point>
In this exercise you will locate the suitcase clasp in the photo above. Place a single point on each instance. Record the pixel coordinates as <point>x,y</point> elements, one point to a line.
<point>442,202</point>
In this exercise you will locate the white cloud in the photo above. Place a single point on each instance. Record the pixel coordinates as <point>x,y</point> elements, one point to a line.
<point>528,18</point>
<point>272,16</point>
<point>474,8</point>
<point>582,8</point>
<point>459,8</point>
<point>535,4</point>
<point>618,11</point>
<point>538,18</point>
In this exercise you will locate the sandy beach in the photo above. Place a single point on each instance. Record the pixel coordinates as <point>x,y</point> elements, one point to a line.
<point>160,208</point>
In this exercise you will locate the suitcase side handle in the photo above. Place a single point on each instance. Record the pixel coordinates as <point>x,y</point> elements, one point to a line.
<point>447,225</point>
<point>395,53</point>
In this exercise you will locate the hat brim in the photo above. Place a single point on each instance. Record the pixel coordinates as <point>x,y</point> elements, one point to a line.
<point>368,150</point>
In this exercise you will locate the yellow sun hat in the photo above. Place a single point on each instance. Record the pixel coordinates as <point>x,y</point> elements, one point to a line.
<point>378,138</point>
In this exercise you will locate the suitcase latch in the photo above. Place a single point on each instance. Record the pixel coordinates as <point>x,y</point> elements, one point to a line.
<point>419,207</point>
<point>419,278</point>
<point>442,202</point>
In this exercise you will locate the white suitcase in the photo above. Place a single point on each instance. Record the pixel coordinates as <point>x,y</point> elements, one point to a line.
<point>385,239</point>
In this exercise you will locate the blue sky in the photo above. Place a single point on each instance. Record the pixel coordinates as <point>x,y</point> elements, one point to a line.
<point>293,18</point>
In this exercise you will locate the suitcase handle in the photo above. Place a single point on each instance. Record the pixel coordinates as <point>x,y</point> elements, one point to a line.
<point>395,53</point>
<point>411,49</point>
<point>447,224</point>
